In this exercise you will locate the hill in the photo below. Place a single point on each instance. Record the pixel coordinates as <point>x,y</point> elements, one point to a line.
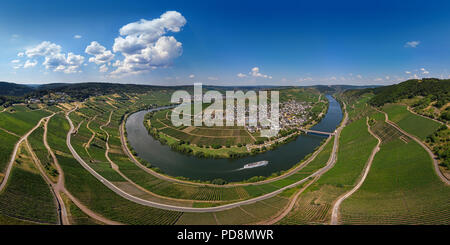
<point>13,89</point>
<point>435,90</point>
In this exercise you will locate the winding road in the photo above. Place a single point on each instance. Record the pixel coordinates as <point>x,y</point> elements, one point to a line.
<point>430,153</point>
<point>337,204</point>
<point>14,153</point>
<point>137,200</point>
<point>168,178</point>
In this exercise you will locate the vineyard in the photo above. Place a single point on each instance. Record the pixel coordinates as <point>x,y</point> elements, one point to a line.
<point>401,188</point>
<point>411,123</point>
<point>27,196</point>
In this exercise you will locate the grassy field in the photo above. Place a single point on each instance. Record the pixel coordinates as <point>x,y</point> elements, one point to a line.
<point>27,196</point>
<point>411,123</point>
<point>75,215</point>
<point>401,188</point>
<point>21,120</point>
<point>6,149</point>
<point>200,136</point>
<point>246,214</point>
<point>314,205</point>
<point>94,194</point>
<point>36,142</point>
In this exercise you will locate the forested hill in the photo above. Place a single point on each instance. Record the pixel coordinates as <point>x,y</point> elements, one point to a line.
<point>13,89</point>
<point>435,89</point>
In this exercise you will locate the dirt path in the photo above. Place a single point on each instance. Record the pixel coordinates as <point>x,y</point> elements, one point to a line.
<point>115,167</point>
<point>14,153</point>
<point>61,209</point>
<point>420,115</point>
<point>288,207</point>
<point>337,204</point>
<point>60,187</point>
<point>127,151</point>
<point>92,131</point>
<point>441,176</point>
<point>9,132</point>
<point>140,201</point>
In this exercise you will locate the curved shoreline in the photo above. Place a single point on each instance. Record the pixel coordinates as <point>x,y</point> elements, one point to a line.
<point>330,163</point>
<point>295,168</point>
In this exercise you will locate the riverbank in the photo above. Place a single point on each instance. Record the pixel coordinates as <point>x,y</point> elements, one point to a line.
<point>224,142</point>
<point>189,167</point>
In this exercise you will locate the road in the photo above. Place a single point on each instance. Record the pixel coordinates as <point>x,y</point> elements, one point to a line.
<point>415,113</point>
<point>168,178</point>
<point>137,200</point>
<point>289,207</point>
<point>337,204</point>
<point>430,153</point>
<point>14,153</point>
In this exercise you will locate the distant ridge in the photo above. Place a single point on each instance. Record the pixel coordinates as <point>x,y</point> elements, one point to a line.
<point>13,89</point>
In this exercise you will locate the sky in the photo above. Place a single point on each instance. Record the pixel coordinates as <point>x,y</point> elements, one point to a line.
<point>224,42</point>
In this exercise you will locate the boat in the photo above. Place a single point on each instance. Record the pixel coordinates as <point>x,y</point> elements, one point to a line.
<point>256,164</point>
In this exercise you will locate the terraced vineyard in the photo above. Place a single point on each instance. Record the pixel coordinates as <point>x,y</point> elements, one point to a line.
<point>355,144</point>
<point>401,187</point>
<point>27,196</point>
<point>94,194</point>
<point>414,124</point>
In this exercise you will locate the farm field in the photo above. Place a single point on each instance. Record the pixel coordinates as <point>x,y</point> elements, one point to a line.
<point>200,136</point>
<point>6,149</point>
<point>94,194</point>
<point>411,123</point>
<point>36,142</point>
<point>314,204</point>
<point>246,214</point>
<point>401,187</point>
<point>27,197</point>
<point>21,120</point>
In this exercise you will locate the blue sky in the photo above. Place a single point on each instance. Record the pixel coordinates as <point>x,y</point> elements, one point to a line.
<point>224,42</point>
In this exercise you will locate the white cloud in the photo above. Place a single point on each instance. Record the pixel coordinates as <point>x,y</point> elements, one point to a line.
<point>305,79</point>
<point>191,76</point>
<point>424,71</point>
<point>378,79</point>
<point>101,55</point>
<point>387,77</point>
<point>407,72</point>
<point>77,36</point>
<point>53,58</point>
<point>255,73</point>
<point>144,45</point>
<point>103,68</point>
<point>15,61</point>
<point>241,75</point>
<point>359,76</point>
<point>59,62</point>
<point>412,44</point>
<point>30,63</point>
<point>213,78</point>
<point>45,48</point>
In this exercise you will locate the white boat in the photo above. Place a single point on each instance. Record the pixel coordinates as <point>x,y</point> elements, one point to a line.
<point>256,164</point>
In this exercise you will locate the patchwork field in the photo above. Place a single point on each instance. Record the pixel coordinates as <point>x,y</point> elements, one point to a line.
<point>200,136</point>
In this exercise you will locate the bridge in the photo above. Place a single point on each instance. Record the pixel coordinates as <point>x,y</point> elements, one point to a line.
<point>317,132</point>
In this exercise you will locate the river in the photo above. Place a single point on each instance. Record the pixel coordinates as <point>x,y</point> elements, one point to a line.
<point>177,164</point>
